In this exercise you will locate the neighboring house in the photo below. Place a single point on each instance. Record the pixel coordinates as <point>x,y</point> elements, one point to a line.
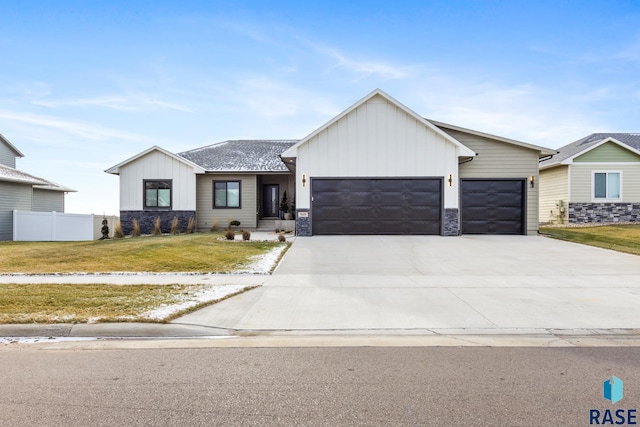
<point>22,191</point>
<point>594,179</point>
<point>376,168</point>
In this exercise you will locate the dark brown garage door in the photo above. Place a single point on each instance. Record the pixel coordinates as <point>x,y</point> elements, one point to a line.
<point>492,206</point>
<point>376,206</point>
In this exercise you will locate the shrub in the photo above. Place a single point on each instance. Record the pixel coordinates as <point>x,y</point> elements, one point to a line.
<point>156,227</point>
<point>117,230</point>
<point>191,225</point>
<point>277,230</point>
<point>230,235</point>
<point>214,225</point>
<point>246,235</point>
<point>174,225</point>
<point>281,238</point>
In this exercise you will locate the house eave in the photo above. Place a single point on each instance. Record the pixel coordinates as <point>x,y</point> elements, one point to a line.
<point>543,152</point>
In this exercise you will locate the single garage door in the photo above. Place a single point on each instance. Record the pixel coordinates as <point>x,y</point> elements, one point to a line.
<point>492,206</point>
<point>376,206</point>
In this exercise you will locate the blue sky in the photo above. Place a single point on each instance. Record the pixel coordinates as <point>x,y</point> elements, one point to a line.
<point>85,85</point>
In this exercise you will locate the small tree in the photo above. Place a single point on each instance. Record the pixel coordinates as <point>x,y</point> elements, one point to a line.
<point>284,202</point>
<point>105,228</point>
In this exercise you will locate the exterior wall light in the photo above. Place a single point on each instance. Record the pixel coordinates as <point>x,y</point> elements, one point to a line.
<point>531,181</point>
<point>304,180</point>
<point>450,180</point>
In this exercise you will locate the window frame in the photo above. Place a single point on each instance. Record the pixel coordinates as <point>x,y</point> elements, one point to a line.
<point>144,194</point>
<point>226,181</point>
<point>607,198</point>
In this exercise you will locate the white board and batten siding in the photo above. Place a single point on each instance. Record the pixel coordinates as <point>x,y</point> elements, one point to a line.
<point>246,214</point>
<point>157,165</point>
<point>501,160</point>
<point>554,186</point>
<point>377,139</point>
<point>14,196</point>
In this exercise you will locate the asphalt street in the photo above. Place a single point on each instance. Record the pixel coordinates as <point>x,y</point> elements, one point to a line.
<point>425,386</point>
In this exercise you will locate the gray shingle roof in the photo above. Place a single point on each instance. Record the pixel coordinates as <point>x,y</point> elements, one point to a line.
<point>570,150</point>
<point>14,175</point>
<point>241,156</point>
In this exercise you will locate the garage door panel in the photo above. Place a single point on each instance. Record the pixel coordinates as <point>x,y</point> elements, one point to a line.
<point>492,206</point>
<point>376,206</point>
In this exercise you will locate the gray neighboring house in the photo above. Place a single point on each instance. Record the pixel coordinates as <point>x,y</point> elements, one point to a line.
<point>22,191</point>
<point>376,168</point>
<point>594,179</point>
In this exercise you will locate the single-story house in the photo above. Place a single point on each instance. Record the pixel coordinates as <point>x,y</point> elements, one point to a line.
<point>22,191</point>
<point>376,168</point>
<point>594,179</point>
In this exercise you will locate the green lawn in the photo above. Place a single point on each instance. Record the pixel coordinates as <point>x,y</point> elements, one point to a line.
<point>200,252</point>
<point>623,238</point>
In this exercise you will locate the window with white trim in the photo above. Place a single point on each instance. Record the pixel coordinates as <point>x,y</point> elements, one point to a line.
<point>607,185</point>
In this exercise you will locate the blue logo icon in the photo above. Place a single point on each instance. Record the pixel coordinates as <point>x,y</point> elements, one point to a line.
<point>613,389</point>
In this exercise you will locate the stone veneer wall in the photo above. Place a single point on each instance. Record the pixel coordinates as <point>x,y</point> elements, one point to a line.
<point>148,218</point>
<point>604,212</point>
<point>303,223</point>
<point>451,222</point>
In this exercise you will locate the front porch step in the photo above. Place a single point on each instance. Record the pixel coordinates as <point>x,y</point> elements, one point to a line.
<point>266,225</point>
<point>270,225</point>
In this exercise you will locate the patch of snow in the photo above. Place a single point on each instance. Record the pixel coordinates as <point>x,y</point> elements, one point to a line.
<point>193,298</point>
<point>263,264</point>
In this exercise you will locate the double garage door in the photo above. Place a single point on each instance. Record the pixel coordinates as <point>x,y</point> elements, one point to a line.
<point>413,206</point>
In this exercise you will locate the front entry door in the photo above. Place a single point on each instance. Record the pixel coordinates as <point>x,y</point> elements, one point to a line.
<point>270,198</point>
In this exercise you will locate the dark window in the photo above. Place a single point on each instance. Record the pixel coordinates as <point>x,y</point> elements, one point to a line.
<point>226,194</point>
<point>157,194</point>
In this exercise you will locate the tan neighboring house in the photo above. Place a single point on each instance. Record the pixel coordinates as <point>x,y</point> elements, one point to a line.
<point>376,168</point>
<point>593,180</point>
<point>22,191</point>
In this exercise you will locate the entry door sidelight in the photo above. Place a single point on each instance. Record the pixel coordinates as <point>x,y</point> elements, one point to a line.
<point>270,200</point>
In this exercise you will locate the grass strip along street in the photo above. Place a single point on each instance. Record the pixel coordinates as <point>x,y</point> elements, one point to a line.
<point>67,303</point>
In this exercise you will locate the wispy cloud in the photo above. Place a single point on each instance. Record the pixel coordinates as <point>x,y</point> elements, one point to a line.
<point>89,131</point>
<point>134,103</point>
<point>362,68</point>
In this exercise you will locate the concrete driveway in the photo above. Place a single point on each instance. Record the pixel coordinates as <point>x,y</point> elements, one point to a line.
<point>470,283</point>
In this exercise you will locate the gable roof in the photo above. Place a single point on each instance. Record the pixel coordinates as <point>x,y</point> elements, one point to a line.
<point>11,146</point>
<point>116,169</point>
<point>566,154</point>
<point>241,156</point>
<point>9,174</point>
<point>464,151</point>
<point>542,150</point>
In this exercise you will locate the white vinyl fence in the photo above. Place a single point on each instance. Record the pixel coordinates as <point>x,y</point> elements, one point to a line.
<point>57,227</point>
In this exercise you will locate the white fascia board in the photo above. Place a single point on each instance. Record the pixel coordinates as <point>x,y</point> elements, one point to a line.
<point>463,151</point>
<point>116,169</point>
<point>569,160</point>
<point>10,145</point>
<point>543,151</point>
